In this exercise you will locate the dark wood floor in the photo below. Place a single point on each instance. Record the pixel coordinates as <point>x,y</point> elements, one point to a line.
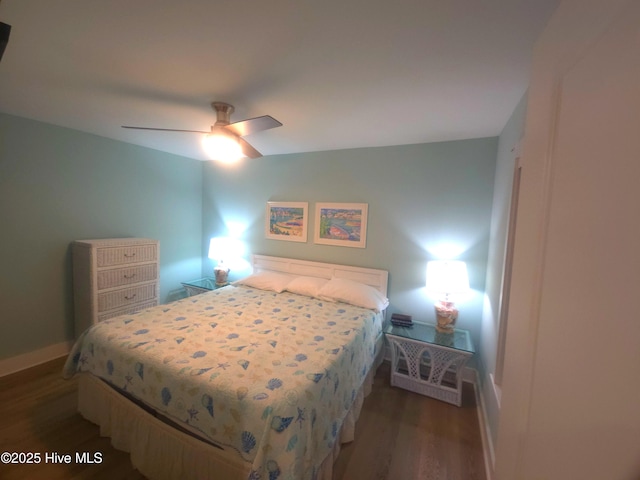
<point>400,435</point>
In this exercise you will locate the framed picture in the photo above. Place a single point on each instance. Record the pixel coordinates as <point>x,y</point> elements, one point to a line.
<point>287,221</point>
<point>341,224</point>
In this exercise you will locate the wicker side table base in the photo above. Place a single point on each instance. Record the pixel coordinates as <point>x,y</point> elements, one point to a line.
<point>427,369</point>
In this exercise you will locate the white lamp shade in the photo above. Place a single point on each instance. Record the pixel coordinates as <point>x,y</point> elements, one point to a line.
<point>447,277</point>
<point>225,249</point>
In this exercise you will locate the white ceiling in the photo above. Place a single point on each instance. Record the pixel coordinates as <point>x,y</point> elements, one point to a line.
<point>337,73</point>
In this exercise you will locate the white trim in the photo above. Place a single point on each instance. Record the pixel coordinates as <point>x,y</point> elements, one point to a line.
<point>488,448</point>
<point>497,390</point>
<point>505,288</point>
<point>470,375</point>
<point>31,359</point>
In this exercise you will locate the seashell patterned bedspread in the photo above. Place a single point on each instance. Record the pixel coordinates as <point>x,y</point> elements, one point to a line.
<point>270,375</point>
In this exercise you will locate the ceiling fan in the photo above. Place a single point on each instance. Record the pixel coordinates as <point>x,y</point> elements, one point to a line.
<point>224,142</point>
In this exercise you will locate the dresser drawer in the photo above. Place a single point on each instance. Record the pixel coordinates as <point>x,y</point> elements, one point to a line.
<point>126,296</point>
<point>127,276</point>
<point>122,255</point>
<point>131,309</point>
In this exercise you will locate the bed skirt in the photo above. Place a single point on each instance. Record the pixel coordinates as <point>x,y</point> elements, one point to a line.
<point>160,451</point>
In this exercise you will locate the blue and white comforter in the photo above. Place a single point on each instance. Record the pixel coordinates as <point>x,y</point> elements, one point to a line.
<point>269,375</point>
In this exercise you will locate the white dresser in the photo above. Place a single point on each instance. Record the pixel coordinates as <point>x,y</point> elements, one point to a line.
<point>113,277</point>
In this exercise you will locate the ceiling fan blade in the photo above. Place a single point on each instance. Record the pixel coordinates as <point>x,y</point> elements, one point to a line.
<point>252,125</point>
<point>248,150</point>
<point>163,129</point>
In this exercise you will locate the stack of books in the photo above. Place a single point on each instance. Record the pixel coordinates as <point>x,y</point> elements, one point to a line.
<point>400,320</point>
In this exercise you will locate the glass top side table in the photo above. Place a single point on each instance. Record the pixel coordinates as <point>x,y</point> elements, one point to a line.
<point>201,285</point>
<point>428,362</point>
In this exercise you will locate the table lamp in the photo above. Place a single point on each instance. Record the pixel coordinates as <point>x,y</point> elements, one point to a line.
<point>223,249</point>
<point>446,278</point>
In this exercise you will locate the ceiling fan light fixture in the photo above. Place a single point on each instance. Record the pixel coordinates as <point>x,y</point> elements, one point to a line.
<point>225,142</point>
<point>222,147</point>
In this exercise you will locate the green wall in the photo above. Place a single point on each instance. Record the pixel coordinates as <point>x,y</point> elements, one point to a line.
<point>58,185</point>
<point>425,201</point>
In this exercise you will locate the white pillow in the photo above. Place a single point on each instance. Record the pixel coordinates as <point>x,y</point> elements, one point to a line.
<point>355,293</point>
<point>309,286</point>
<point>266,281</point>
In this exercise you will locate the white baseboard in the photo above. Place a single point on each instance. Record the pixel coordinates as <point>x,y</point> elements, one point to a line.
<point>31,359</point>
<point>485,434</point>
<point>470,375</point>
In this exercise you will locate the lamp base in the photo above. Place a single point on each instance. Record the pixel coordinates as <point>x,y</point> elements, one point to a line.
<point>446,316</point>
<point>222,275</point>
<point>444,338</point>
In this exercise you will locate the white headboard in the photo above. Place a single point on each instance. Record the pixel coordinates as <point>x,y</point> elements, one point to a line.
<point>369,276</point>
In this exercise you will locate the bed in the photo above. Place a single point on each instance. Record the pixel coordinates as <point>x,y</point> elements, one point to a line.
<point>263,379</point>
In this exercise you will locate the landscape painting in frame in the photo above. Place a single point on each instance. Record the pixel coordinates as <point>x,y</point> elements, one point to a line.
<point>341,224</point>
<point>287,221</point>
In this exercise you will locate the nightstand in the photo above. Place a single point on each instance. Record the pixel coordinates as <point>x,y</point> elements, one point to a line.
<point>428,362</point>
<point>201,285</point>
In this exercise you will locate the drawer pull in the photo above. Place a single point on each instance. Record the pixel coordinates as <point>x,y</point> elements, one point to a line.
<point>130,297</point>
<point>130,276</point>
<point>129,255</point>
